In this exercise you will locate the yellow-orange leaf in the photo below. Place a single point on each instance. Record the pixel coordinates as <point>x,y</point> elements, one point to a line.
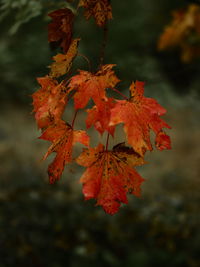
<point>110,175</point>
<point>63,137</point>
<point>101,10</point>
<point>184,28</point>
<point>63,62</point>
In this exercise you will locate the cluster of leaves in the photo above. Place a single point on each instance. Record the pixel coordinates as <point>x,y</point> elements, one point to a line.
<point>110,174</point>
<point>183,32</point>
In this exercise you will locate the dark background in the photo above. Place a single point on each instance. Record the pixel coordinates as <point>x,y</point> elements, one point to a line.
<point>51,225</point>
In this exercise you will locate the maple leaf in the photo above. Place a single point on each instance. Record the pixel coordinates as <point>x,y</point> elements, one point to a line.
<point>49,101</point>
<point>60,29</point>
<point>63,137</point>
<point>162,141</point>
<point>99,116</point>
<point>63,62</point>
<point>139,115</point>
<point>110,175</point>
<point>183,28</point>
<point>89,85</point>
<point>101,10</point>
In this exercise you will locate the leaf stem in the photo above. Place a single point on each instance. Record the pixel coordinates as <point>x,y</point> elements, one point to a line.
<point>71,95</point>
<point>107,140</point>
<point>73,121</point>
<point>104,42</point>
<point>125,97</point>
<point>66,81</point>
<point>89,64</point>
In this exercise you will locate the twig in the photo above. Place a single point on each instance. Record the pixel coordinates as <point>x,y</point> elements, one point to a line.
<point>89,64</point>
<point>125,97</point>
<point>104,42</point>
<point>75,114</point>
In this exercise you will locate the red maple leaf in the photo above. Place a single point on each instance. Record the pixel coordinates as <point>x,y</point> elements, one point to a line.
<point>99,116</point>
<point>60,29</point>
<point>63,137</point>
<point>110,175</point>
<point>140,115</point>
<point>89,85</point>
<point>162,141</point>
<point>49,101</point>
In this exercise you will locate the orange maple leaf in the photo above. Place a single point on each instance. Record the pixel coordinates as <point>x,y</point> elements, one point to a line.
<point>63,62</point>
<point>110,175</point>
<point>139,115</point>
<point>183,32</point>
<point>49,101</point>
<point>99,116</point>
<point>101,10</point>
<point>60,29</point>
<point>63,137</point>
<point>89,85</point>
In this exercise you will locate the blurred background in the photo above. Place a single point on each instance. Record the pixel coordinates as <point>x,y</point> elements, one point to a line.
<point>51,225</point>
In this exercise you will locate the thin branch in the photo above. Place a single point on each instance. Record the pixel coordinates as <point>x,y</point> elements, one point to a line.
<point>104,42</point>
<point>75,114</point>
<point>71,95</point>
<point>125,97</point>
<point>89,64</point>
<point>66,81</point>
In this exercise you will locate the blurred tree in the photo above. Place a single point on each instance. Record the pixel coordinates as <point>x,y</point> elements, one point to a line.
<point>24,35</point>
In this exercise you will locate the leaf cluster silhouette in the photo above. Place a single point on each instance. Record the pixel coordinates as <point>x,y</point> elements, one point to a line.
<point>110,174</point>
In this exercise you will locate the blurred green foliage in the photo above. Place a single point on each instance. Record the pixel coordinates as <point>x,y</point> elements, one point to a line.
<point>132,45</point>
<point>24,11</point>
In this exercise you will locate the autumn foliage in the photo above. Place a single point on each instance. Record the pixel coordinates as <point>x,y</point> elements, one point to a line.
<point>183,33</point>
<point>110,173</point>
